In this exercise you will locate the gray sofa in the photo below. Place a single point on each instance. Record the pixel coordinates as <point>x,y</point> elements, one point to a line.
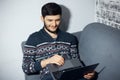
<point>98,43</point>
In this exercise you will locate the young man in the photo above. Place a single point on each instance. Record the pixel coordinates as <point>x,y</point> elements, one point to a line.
<point>49,44</point>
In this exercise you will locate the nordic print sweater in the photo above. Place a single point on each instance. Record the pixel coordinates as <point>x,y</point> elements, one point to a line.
<point>40,45</point>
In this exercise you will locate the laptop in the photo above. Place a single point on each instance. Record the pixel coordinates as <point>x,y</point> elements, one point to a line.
<point>76,73</point>
<point>69,64</point>
<point>71,70</point>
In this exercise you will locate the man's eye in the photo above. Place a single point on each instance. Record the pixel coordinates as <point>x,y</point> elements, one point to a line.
<point>58,20</point>
<point>49,20</point>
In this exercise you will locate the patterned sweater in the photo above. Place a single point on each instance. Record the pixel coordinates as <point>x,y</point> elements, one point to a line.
<point>40,45</point>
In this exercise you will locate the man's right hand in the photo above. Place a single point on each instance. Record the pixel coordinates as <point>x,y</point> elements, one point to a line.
<point>55,59</point>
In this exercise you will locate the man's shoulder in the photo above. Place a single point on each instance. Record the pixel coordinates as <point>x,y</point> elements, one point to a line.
<point>33,38</point>
<point>67,34</point>
<point>35,34</point>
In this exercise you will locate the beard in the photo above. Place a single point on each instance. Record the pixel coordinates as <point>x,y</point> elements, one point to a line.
<point>50,30</point>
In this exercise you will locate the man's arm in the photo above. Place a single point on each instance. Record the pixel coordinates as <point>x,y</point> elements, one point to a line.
<point>30,65</point>
<point>55,59</point>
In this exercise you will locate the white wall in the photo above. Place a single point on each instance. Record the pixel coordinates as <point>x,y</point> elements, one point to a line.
<point>19,18</point>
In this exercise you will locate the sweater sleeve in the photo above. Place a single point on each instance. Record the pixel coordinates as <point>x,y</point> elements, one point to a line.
<point>30,65</point>
<point>74,50</point>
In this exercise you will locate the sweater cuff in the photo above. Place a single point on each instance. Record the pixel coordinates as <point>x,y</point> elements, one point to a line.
<point>37,66</point>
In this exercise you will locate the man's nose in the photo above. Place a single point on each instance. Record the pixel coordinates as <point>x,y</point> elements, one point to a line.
<point>54,23</point>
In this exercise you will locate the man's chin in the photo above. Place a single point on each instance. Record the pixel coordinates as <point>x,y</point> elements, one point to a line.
<point>52,30</point>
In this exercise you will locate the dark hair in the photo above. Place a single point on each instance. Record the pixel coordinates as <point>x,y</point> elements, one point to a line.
<point>51,9</point>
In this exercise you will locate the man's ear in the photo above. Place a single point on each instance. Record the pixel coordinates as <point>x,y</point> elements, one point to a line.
<point>42,19</point>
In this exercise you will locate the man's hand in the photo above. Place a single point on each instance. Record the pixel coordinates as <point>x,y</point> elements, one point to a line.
<point>89,75</point>
<point>56,59</point>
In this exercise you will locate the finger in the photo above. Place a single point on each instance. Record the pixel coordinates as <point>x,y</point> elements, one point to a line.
<point>56,59</point>
<point>88,76</point>
<point>57,63</point>
<point>58,56</point>
<point>60,63</point>
<point>59,59</point>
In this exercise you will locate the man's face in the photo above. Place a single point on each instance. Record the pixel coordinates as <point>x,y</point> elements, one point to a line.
<point>51,22</point>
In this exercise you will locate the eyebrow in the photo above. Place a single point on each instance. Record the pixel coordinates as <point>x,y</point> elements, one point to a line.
<point>52,19</point>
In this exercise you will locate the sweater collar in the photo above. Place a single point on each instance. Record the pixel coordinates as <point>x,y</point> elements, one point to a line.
<point>47,35</point>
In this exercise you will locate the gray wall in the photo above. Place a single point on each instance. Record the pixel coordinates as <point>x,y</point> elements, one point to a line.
<point>19,18</point>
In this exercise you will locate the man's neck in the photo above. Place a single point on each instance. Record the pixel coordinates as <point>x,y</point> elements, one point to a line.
<point>53,35</point>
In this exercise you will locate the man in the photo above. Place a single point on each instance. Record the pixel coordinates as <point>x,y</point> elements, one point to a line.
<point>49,44</point>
